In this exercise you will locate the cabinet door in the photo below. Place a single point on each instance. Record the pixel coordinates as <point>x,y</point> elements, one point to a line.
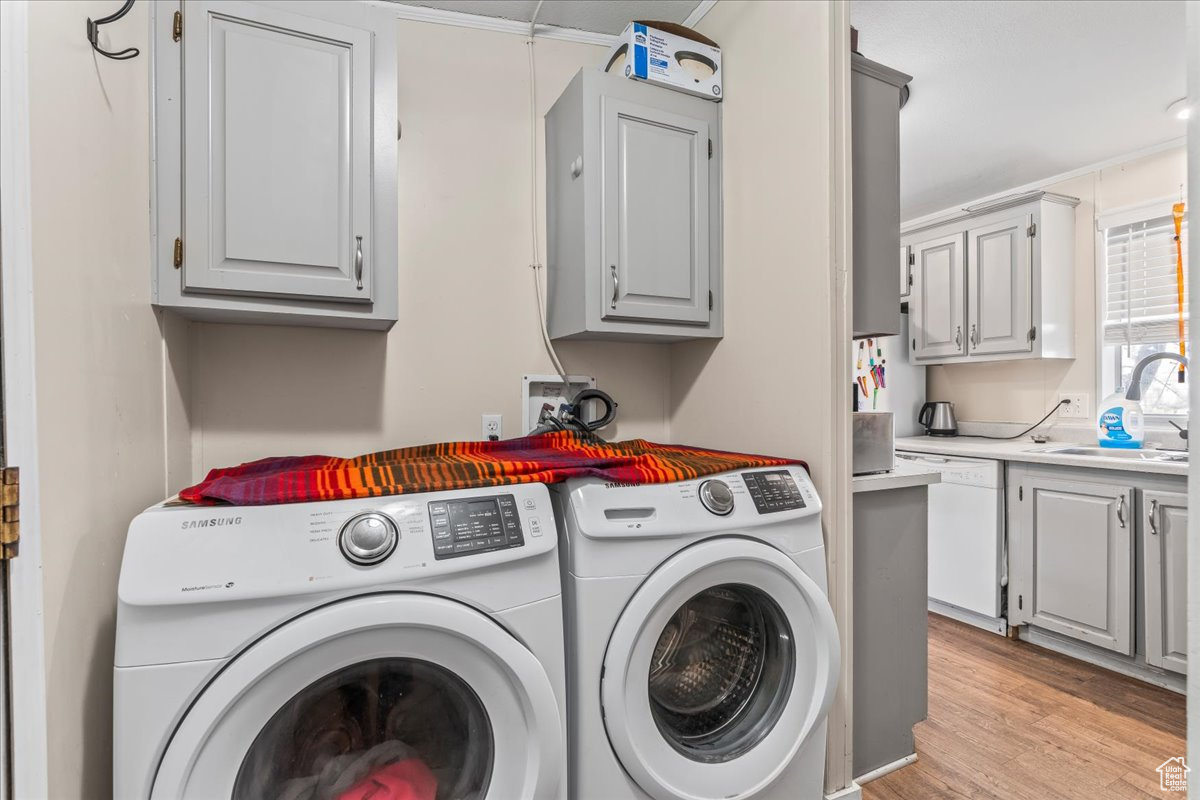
<point>906,279</point>
<point>277,153</point>
<point>999,287</point>
<point>936,307</point>
<point>655,218</point>
<point>1074,572</point>
<point>1164,534</point>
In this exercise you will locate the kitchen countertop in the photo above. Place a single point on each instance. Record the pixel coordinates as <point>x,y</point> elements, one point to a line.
<point>903,476</point>
<point>1026,451</point>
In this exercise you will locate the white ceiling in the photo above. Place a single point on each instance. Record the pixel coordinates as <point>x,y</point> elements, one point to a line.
<point>598,16</point>
<point>1007,93</point>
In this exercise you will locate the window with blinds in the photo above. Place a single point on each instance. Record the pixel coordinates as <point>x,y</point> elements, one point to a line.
<point>1141,302</point>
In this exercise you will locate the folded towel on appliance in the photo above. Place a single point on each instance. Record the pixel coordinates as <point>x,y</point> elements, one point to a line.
<point>548,458</point>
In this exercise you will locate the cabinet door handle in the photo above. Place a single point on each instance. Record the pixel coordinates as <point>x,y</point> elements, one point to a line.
<point>616,284</point>
<point>1121,511</point>
<point>358,261</point>
<point>974,336</point>
<point>958,336</point>
<point>1153,518</point>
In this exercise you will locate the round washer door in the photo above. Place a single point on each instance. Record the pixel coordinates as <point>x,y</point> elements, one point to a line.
<point>722,665</point>
<point>401,689</point>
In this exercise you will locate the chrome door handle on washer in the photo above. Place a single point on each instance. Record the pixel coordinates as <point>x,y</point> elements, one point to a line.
<point>358,261</point>
<point>1121,511</point>
<point>616,284</point>
<point>1152,516</point>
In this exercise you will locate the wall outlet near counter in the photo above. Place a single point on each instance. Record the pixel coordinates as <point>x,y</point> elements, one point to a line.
<point>493,427</point>
<point>1078,408</point>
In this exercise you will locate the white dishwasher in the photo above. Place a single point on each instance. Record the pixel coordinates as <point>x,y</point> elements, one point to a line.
<point>968,558</point>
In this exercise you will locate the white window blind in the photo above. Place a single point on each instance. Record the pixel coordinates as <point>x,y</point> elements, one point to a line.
<point>1141,304</point>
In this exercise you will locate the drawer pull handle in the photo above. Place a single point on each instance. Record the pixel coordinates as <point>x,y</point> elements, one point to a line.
<point>358,261</point>
<point>1154,517</point>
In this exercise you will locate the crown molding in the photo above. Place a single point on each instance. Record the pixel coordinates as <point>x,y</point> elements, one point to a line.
<point>459,19</point>
<point>946,214</point>
<point>698,12</point>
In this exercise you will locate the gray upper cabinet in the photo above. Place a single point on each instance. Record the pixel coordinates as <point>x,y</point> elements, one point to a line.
<point>1013,282</point>
<point>875,143</point>
<point>655,213</point>
<point>999,295</point>
<point>633,212</point>
<point>1073,560</point>
<point>936,304</point>
<point>1164,535</point>
<point>276,164</point>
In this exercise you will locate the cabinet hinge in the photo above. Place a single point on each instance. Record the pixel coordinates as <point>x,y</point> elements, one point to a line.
<point>1033,333</point>
<point>912,259</point>
<point>914,344</point>
<point>710,149</point>
<point>177,26</point>
<point>1020,492</point>
<point>710,300</point>
<point>10,513</point>
<point>1032,230</point>
<point>178,258</point>
<point>1020,602</point>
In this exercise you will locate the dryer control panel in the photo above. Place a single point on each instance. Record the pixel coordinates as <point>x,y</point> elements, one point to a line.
<point>475,525</point>
<point>773,491</point>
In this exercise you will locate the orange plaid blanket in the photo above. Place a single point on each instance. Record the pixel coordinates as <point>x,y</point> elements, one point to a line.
<point>549,458</point>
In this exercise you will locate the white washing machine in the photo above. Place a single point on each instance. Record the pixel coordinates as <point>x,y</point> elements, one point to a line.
<point>294,652</point>
<point>702,652</point>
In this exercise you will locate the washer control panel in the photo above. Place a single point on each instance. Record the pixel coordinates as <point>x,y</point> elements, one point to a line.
<point>475,525</point>
<point>773,491</point>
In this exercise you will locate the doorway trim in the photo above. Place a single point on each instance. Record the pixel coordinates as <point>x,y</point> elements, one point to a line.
<point>30,768</point>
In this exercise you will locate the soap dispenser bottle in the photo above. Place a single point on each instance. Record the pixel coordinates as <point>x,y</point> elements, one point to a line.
<point>1120,423</point>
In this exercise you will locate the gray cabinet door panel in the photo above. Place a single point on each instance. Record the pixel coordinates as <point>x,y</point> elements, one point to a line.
<point>937,308</point>
<point>1078,562</point>
<point>656,214</point>
<point>279,202</point>
<point>999,287</point>
<point>1164,532</point>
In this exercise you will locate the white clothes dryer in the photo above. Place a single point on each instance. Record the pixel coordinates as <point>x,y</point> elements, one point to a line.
<point>702,652</point>
<point>291,652</point>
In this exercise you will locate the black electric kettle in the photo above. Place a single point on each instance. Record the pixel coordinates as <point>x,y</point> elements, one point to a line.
<point>938,419</point>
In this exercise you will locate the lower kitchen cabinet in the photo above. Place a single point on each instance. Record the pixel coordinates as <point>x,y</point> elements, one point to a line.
<point>1164,567</point>
<point>1072,559</point>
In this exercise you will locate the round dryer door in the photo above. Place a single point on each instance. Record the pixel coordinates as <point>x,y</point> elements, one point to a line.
<point>720,668</point>
<point>387,693</point>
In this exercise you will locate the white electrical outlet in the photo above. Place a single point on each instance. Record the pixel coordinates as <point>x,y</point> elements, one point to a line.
<point>493,426</point>
<point>1078,408</point>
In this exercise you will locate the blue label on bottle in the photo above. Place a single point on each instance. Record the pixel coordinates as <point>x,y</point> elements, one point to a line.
<point>1112,429</point>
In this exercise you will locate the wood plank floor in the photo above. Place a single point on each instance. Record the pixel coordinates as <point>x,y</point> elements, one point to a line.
<point>1011,721</point>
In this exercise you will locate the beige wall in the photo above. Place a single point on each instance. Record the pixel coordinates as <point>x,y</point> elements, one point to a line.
<point>1022,391</point>
<point>765,386</point>
<point>99,362</point>
<point>468,327</point>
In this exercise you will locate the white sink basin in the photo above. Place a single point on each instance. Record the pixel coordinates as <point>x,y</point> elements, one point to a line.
<point>1171,456</point>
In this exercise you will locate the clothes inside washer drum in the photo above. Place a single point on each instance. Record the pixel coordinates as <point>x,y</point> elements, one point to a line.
<point>707,662</point>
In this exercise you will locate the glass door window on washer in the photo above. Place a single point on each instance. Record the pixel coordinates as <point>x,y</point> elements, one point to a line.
<point>390,727</point>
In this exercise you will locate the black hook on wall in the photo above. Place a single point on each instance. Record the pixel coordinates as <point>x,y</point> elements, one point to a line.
<point>93,34</point>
